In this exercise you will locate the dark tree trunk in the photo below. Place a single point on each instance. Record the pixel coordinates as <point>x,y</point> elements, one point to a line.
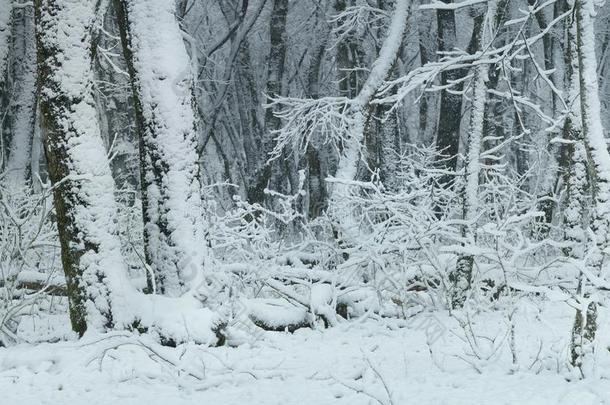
<point>450,114</point>
<point>275,77</point>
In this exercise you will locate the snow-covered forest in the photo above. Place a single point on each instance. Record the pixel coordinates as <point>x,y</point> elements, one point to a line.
<point>304,202</point>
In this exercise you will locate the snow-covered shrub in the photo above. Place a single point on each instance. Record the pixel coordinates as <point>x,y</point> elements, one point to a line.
<point>409,234</point>
<point>397,252</point>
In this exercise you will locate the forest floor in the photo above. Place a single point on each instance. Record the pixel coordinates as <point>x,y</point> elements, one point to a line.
<point>427,360</point>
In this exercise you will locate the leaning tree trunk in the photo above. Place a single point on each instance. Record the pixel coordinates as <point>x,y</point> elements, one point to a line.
<point>23,112</point>
<point>163,85</point>
<point>359,110</point>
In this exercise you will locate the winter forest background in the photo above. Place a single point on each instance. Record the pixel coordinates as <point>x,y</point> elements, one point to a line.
<point>304,201</point>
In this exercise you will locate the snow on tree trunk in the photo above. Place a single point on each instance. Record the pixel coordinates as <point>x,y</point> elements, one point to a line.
<point>100,294</point>
<point>597,149</point>
<point>576,174</point>
<point>162,83</point>
<point>598,165</point>
<point>24,105</point>
<point>350,156</point>
<point>78,167</point>
<point>461,277</point>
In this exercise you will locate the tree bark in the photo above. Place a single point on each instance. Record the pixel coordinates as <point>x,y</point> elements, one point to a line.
<point>162,84</point>
<point>78,167</point>
<point>461,277</point>
<point>598,167</point>
<point>450,113</point>
<point>275,77</point>
<point>6,19</point>
<point>23,112</point>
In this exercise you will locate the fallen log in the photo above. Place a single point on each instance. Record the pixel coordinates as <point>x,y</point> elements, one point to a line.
<point>31,281</point>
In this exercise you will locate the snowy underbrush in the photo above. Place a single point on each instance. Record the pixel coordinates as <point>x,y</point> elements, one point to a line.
<point>352,323</point>
<point>30,268</point>
<point>409,235</point>
<point>408,239</point>
<point>396,263</point>
<point>470,360</point>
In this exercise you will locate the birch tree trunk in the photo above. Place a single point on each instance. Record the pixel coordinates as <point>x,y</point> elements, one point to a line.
<point>162,84</point>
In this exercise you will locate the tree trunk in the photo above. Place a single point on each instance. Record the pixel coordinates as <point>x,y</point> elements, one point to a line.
<point>6,16</point>
<point>359,110</point>
<point>598,167</point>
<point>461,277</point>
<point>162,84</point>
<point>100,294</point>
<point>275,77</point>
<point>450,114</point>
<point>428,101</point>
<point>78,167</point>
<point>24,106</point>
<point>316,187</point>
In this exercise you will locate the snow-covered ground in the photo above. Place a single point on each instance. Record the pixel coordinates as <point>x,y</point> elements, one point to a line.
<point>422,361</point>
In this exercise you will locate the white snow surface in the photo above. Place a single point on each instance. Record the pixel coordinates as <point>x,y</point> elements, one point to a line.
<point>369,362</point>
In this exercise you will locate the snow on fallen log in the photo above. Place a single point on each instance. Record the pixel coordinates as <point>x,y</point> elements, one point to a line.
<point>322,298</point>
<point>34,277</point>
<point>176,320</point>
<point>355,302</point>
<point>36,281</point>
<point>277,315</point>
